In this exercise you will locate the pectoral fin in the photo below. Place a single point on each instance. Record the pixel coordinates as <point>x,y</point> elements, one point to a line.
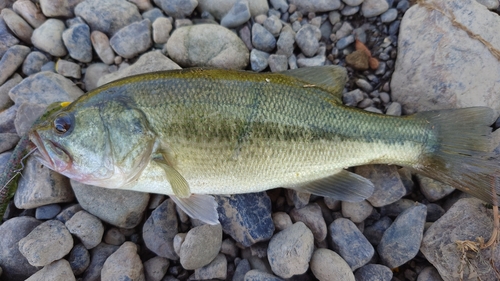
<point>199,206</point>
<point>179,185</point>
<point>344,185</point>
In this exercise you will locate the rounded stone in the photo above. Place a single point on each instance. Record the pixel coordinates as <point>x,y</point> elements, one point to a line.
<point>161,30</point>
<point>238,15</point>
<point>312,217</point>
<point>86,227</point>
<point>160,229</point>
<point>201,246</point>
<point>124,264</point>
<point>79,259</point>
<point>58,8</point>
<point>34,62</point>
<point>155,268</point>
<point>47,212</point>
<point>18,25</point>
<point>356,211</point>
<point>177,8</point>
<point>374,272</point>
<point>372,8</point>
<point>77,40</point>
<point>262,39</point>
<point>11,61</point>
<point>101,45</point>
<point>59,270</point>
<point>114,237</point>
<point>281,220</point>
<point>48,37</point>
<point>328,265</point>
<point>137,32</point>
<point>30,12</point>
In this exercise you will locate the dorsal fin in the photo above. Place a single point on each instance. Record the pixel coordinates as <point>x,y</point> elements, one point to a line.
<point>331,78</point>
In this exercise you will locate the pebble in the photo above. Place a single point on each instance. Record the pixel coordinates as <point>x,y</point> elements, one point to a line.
<point>30,12</point>
<point>93,73</point>
<point>101,45</point>
<point>177,8</point>
<point>389,16</point>
<point>394,109</point>
<point>11,61</point>
<point>14,265</point>
<point>58,9</point>
<point>160,229</point>
<point>348,241</point>
<point>401,241</point>
<point>8,39</point>
<point>432,189</point>
<point>281,220</point>
<point>257,275</point>
<point>98,256</point>
<point>161,30</point>
<point>218,8</point>
<point>7,119</point>
<point>237,15</point>
<point>87,228</point>
<point>280,5</point>
<point>123,264</point>
<point>434,212</point>
<point>77,40</point>
<point>352,98</point>
<point>79,259</point>
<point>258,60</point>
<point>50,66</point>
<point>344,42</point>
<point>364,85</point>
<point>156,268</point>
<point>194,46</point>
<point>349,10</point>
<point>48,242</point>
<point>353,2</point>
<point>307,39</point>
<point>139,33</point>
<point>246,217</point>
<point>345,30</point>
<point>334,17</point>
<point>312,217</point>
<point>296,243</point>
<point>358,60</point>
<point>241,270</point>
<point>297,198</point>
<point>40,186</point>
<point>68,212</point>
<point>217,269</point>
<point>327,265</point>
<point>17,25</point>
<point>122,208</point>
<point>388,185</point>
<point>372,8</point>
<point>273,24</point>
<point>310,62</point>
<point>114,236</point>
<point>153,14</point>
<point>68,69</point>
<point>59,270</point>
<point>48,37</point>
<point>262,39</point>
<point>429,273</point>
<point>278,63</point>
<point>316,6</point>
<point>403,5</point>
<point>201,246</point>
<point>107,16</point>
<point>34,62</point>
<point>246,37</point>
<point>228,247</point>
<point>47,212</point>
<point>374,233</point>
<point>374,272</point>
<point>8,141</point>
<point>490,4</point>
<point>183,22</point>
<point>366,103</point>
<point>357,212</point>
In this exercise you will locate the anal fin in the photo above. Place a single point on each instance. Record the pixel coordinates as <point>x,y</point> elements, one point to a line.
<point>344,185</point>
<point>199,206</point>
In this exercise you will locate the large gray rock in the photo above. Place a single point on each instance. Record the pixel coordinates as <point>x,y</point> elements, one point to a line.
<point>328,265</point>
<point>59,270</point>
<point>195,46</point>
<point>48,37</point>
<point>453,69</point>
<point>8,39</point>
<point>17,25</point>
<point>201,246</point>
<point>137,32</point>
<point>160,229</point>
<point>124,264</point>
<point>11,61</point>
<point>87,228</point>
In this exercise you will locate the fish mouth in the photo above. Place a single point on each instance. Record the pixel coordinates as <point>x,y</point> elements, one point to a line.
<point>49,153</point>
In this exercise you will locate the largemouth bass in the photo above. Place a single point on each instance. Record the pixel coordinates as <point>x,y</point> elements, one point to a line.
<point>195,132</point>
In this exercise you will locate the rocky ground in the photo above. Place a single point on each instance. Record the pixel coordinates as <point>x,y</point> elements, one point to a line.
<point>402,57</point>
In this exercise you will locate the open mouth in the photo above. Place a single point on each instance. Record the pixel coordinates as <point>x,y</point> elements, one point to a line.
<point>50,153</point>
<point>41,153</point>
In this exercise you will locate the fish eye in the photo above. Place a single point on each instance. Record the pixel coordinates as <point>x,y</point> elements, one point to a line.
<point>63,123</point>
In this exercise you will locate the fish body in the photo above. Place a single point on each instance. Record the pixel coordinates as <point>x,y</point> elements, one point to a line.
<point>188,133</point>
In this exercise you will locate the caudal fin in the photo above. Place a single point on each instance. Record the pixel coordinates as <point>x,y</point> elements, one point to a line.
<point>458,153</point>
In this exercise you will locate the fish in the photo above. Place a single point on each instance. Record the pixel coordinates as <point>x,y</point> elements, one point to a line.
<point>194,133</point>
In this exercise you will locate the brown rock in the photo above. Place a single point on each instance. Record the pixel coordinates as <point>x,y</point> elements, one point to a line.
<point>358,60</point>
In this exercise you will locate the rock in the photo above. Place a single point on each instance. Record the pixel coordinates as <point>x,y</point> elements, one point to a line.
<point>148,62</point>
<point>310,62</point>
<point>123,264</point>
<point>87,228</point>
<point>401,241</point>
<point>297,198</point>
<point>155,268</point>
<point>122,208</point>
<point>328,265</point>
<point>375,232</point>
<point>17,25</point>
<point>98,256</point>
<point>286,41</point>
<point>79,259</point>
<point>100,42</point>
<point>358,60</point>
<point>194,46</point>
<point>40,186</point>
<point>280,5</point>
<point>77,40</point>
<point>8,141</point>
<point>14,265</point>
<point>228,247</point>
<point>8,40</point>
<point>389,16</point>
<point>219,8</point>
<point>394,109</point>
<point>143,5</point>
<point>160,229</point>
<point>59,270</point>
<point>467,219</point>
<point>278,63</point>
<point>107,16</point>
<point>58,9</point>
<point>153,14</point>
<point>93,73</point>
<point>374,272</point>
<point>258,60</point>
<point>281,220</point>
<point>344,42</point>
<point>11,60</point>
<point>449,74</point>
<point>201,246</point>
<point>241,269</point>
<point>177,8</point>
<point>68,69</point>
<point>306,6</point>
<point>238,15</point>
<point>48,242</point>
<point>490,4</point>
<point>312,217</point>
<point>257,275</point>
<point>429,273</point>
<point>307,39</point>
<point>5,100</point>
<point>433,190</point>
<point>246,217</point>
<point>30,12</point>
<point>349,11</point>
<point>34,61</point>
<point>161,30</point>
<point>139,33</point>
<point>273,24</point>
<point>68,212</point>
<point>357,212</point>
<point>114,237</point>
<point>349,242</point>
<point>364,85</point>
<point>7,119</point>
<point>296,243</point>
<point>388,185</point>
<point>47,212</point>
<point>262,39</point>
<point>217,269</point>
<point>48,37</point>
<point>372,8</point>
<point>352,98</point>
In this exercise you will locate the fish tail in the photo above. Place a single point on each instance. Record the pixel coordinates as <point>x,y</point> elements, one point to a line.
<point>458,152</point>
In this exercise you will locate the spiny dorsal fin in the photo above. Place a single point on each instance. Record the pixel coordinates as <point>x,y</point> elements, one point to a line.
<point>329,77</point>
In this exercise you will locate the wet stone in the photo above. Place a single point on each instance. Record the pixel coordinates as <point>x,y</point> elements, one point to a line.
<point>123,264</point>
<point>262,39</point>
<point>68,69</point>
<point>328,265</point>
<point>77,40</point>
<point>87,228</point>
<point>137,32</point>
<point>29,12</point>
<point>258,60</point>
<point>307,39</point>
<point>79,259</point>
<point>98,256</point>
<point>375,231</point>
<point>238,15</point>
<point>160,229</point>
<point>312,217</point>
<point>34,62</point>
<point>47,212</point>
<point>11,61</point>
<point>48,37</point>
<point>155,268</point>
<point>356,211</point>
<point>374,272</point>
<point>57,271</point>
<point>217,269</point>
<point>17,25</point>
<point>388,185</point>
<point>201,246</point>
<point>101,45</point>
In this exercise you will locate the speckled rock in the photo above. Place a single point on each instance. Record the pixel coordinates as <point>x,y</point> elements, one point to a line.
<point>194,46</point>
<point>257,275</point>
<point>107,16</point>
<point>312,217</point>
<point>238,15</point>
<point>29,12</point>
<point>59,8</point>
<point>262,39</point>
<point>87,228</point>
<point>139,33</point>
<point>217,269</point>
<point>98,256</point>
<point>17,25</point>
<point>177,8</point>
<point>316,5</point>
<point>123,264</point>
<point>48,37</point>
<point>286,41</point>
<point>296,243</point>
<point>155,268</point>
<point>79,259</point>
<point>11,60</point>
<point>219,8</point>
<point>328,265</point>
<point>246,217</point>
<point>77,40</point>
<point>122,208</point>
<point>388,185</point>
<point>14,265</point>
<point>47,212</point>
<point>374,272</point>
<point>160,229</point>
<point>59,270</point>
<point>34,62</point>
<point>201,246</point>
<point>48,242</point>
<point>241,269</point>
<point>307,39</point>
<point>372,8</point>
<point>349,242</point>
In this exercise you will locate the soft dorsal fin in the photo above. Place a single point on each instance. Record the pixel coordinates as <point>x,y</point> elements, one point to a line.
<point>329,77</point>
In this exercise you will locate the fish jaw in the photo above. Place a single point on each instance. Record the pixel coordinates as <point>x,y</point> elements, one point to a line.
<point>50,154</point>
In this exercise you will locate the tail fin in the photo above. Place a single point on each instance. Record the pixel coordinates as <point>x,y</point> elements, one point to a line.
<point>459,153</point>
